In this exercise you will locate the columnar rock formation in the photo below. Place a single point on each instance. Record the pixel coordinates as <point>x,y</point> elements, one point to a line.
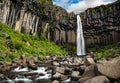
<point>38,17</point>
<point>102,24</point>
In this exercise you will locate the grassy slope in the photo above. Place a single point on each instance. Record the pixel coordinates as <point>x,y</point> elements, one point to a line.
<point>25,44</point>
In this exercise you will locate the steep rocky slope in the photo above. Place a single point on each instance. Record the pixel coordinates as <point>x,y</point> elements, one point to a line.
<point>102,24</point>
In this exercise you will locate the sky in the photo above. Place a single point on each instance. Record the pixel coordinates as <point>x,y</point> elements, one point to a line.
<point>78,6</point>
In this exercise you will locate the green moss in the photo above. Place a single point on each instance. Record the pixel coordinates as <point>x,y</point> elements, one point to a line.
<point>28,45</point>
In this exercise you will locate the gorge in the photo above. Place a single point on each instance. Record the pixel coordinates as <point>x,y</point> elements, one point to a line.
<point>30,54</point>
<point>30,16</point>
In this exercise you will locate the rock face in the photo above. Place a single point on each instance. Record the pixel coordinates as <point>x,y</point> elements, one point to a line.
<point>102,24</point>
<point>38,17</point>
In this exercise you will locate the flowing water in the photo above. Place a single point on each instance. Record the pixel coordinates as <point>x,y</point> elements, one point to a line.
<point>80,38</point>
<point>26,75</point>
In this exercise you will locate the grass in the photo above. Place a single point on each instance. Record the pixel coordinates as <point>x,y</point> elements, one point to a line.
<point>106,51</point>
<point>29,45</point>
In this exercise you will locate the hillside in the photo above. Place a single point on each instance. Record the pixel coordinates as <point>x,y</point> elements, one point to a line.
<point>13,44</point>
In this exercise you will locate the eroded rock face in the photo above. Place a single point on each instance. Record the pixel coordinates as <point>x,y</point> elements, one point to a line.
<point>100,23</point>
<point>36,16</point>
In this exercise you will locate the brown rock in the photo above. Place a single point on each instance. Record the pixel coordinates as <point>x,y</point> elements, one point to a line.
<point>89,73</point>
<point>75,73</point>
<point>60,70</point>
<point>56,63</point>
<point>110,69</point>
<point>55,81</point>
<point>89,61</point>
<point>98,79</point>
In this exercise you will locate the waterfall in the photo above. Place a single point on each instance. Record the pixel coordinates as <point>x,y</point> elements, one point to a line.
<point>80,38</point>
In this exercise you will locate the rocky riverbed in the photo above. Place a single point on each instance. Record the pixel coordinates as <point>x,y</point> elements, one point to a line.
<point>60,69</point>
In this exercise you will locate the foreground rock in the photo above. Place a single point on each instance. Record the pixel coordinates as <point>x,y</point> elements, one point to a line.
<point>70,69</point>
<point>110,69</point>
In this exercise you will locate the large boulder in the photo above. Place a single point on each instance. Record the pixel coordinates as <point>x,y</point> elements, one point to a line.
<point>98,79</point>
<point>90,72</point>
<point>110,68</point>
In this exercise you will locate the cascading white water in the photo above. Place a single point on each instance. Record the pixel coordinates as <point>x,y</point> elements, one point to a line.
<point>80,38</point>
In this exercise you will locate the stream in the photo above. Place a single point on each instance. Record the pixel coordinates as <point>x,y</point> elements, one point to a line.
<point>26,75</point>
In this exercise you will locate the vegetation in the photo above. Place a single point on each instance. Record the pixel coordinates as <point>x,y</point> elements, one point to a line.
<point>106,51</point>
<point>19,44</point>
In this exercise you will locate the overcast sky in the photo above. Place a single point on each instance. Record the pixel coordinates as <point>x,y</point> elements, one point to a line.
<point>80,5</point>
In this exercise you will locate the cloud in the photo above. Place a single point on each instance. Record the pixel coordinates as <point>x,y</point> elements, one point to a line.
<point>63,3</point>
<point>84,4</point>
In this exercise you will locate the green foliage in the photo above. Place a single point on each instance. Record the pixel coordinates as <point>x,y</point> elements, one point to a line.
<point>28,45</point>
<point>105,51</point>
<point>45,1</point>
<point>117,81</point>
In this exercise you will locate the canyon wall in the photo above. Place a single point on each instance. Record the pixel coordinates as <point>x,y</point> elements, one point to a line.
<point>101,24</point>
<point>39,17</point>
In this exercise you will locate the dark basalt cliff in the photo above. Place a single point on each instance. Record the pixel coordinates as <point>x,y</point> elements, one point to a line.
<point>37,17</point>
<point>101,24</point>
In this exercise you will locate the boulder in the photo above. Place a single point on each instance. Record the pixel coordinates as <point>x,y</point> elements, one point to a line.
<point>110,69</point>
<point>89,60</point>
<point>60,70</point>
<point>98,79</point>
<point>90,72</point>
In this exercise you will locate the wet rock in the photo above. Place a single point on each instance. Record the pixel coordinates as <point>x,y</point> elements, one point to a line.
<point>1,76</point>
<point>110,69</point>
<point>32,65</point>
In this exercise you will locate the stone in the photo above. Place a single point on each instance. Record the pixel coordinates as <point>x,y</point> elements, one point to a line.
<point>90,72</point>
<point>57,75</point>
<point>75,73</point>
<point>1,76</point>
<point>63,77</point>
<point>110,69</point>
<point>56,63</point>
<point>32,65</point>
<point>6,35</point>
<point>78,61</point>
<point>60,70</point>
<point>1,62</point>
<point>89,61</point>
<point>98,79</point>
<point>55,81</point>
